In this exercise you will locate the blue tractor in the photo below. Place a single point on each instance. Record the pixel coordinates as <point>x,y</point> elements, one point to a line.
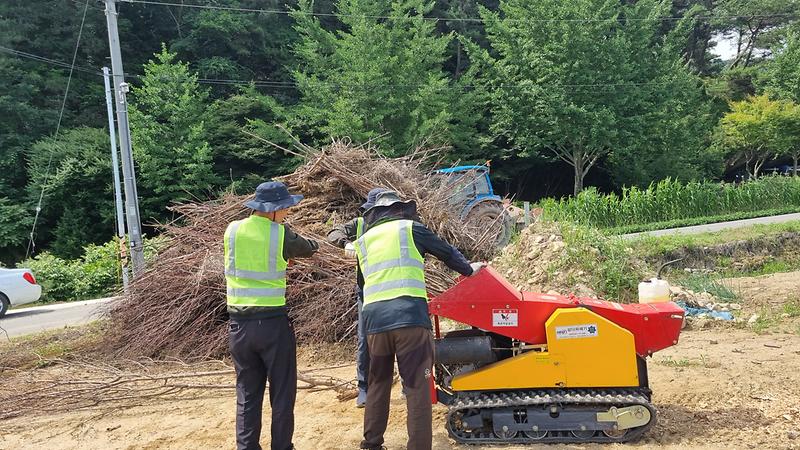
<point>479,208</point>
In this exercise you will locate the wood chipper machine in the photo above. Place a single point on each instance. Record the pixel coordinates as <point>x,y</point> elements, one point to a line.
<point>536,368</point>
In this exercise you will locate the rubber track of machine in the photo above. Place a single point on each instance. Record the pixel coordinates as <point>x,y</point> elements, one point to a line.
<point>601,398</point>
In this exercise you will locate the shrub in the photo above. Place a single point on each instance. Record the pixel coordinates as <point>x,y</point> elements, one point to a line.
<point>95,274</point>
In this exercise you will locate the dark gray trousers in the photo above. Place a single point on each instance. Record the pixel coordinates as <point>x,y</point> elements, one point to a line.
<point>362,353</point>
<point>413,347</point>
<point>264,349</point>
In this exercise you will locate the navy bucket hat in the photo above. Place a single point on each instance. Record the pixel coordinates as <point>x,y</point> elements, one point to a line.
<point>273,196</point>
<point>372,196</point>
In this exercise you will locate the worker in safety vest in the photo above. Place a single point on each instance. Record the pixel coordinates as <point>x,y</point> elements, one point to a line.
<point>262,340</point>
<point>391,256</point>
<point>343,236</point>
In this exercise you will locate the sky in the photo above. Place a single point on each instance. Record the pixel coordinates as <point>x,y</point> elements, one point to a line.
<point>726,46</point>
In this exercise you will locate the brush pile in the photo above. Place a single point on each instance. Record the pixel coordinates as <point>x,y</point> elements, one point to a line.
<point>177,307</point>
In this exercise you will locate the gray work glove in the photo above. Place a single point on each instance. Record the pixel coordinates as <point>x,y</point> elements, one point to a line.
<point>476,267</point>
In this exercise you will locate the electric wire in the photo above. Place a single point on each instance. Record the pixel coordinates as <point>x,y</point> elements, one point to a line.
<point>449,19</point>
<point>369,86</point>
<point>49,61</point>
<point>31,242</point>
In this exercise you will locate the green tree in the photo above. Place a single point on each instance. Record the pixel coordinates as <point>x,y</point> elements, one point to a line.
<point>566,93</point>
<point>238,156</point>
<point>754,24</point>
<point>79,202</point>
<point>15,224</point>
<point>783,77</point>
<point>375,77</point>
<point>174,159</point>
<point>788,132</point>
<point>750,132</point>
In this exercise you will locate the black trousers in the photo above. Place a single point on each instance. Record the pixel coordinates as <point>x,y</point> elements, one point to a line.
<point>264,349</point>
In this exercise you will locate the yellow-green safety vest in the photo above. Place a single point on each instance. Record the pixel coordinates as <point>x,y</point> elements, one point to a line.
<point>391,264</point>
<point>359,227</point>
<point>255,270</point>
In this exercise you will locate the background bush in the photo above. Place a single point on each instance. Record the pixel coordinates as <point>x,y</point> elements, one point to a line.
<point>95,274</point>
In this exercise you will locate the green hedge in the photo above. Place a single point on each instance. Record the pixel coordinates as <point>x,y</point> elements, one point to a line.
<point>671,201</point>
<point>95,274</point>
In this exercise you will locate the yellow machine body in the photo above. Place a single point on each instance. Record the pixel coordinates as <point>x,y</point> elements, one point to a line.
<point>584,350</point>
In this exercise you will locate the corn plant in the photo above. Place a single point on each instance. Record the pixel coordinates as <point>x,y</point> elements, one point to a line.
<point>670,200</point>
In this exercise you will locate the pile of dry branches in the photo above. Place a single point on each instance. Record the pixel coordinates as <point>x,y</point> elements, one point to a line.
<point>88,384</point>
<point>177,307</point>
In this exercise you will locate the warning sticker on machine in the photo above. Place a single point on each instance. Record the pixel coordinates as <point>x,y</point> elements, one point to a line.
<point>505,317</point>
<point>576,331</point>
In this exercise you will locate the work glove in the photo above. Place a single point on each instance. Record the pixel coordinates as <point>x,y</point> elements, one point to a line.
<point>350,250</point>
<point>476,267</point>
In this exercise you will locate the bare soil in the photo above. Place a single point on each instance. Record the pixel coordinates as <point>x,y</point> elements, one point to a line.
<point>718,388</point>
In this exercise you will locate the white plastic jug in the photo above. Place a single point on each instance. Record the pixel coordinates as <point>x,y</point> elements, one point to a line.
<point>654,291</point>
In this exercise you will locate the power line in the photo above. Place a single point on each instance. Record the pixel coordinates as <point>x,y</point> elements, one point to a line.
<point>31,242</point>
<point>295,85</point>
<point>450,19</point>
<point>48,60</point>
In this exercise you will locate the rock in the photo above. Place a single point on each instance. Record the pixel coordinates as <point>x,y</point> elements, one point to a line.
<point>558,246</point>
<point>753,319</point>
<point>724,309</point>
<point>784,316</point>
<point>735,306</point>
<point>698,323</point>
<point>792,434</point>
<point>723,305</point>
<point>713,342</point>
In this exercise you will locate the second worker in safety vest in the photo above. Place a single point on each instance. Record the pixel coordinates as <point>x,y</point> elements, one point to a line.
<point>342,236</point>
<point>391,257</point>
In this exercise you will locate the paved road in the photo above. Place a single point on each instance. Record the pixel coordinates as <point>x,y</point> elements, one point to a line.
<point>712,227</point>
<point>22,321</point>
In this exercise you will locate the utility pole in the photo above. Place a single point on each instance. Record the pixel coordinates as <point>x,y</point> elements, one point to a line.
<point>115,169</point>
<point>128,171</point>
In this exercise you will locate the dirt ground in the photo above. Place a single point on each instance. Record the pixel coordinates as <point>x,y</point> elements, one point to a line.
<point>722,387</point>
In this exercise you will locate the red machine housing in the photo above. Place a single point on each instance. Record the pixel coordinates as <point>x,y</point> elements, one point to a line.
<point>487,301</point>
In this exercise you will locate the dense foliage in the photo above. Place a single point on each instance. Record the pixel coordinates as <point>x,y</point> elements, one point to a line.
<point>557,94</point>
<point>670,200</point>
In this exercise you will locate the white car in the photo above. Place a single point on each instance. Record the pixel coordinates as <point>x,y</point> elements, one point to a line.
<point>17,287</point>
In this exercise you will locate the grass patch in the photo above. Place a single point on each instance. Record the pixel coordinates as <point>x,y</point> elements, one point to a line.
<point>703,361</point>
<point>792,308</point>
<point>38,350</point>
<point>658,245</point>
<point>640,228</point>
<point>609,261</point>
<point>765,322</point>
<point>705,283</point>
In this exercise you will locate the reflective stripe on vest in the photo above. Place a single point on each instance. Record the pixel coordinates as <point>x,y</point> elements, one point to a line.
<point>359,227</point>
<point>255,270</point>
<point>391,264</point>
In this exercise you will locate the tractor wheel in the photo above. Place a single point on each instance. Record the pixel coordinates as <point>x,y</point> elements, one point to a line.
<point>490,220</point>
